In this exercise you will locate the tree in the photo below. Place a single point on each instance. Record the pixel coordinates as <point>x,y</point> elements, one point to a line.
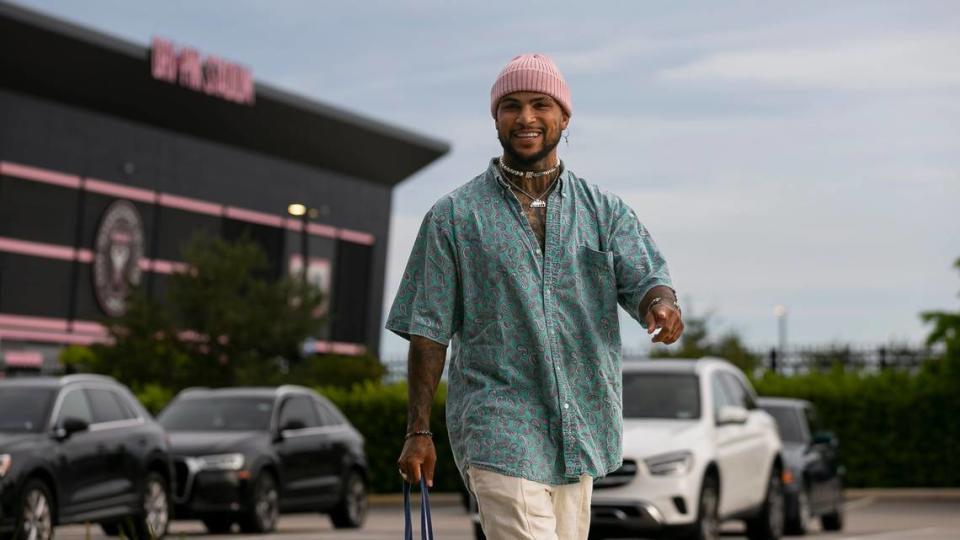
<point>222,322</point>
<point>946,330</point>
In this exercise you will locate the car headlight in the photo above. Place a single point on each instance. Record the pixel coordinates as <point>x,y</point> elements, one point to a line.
<point>669,464</point>
<point>5,463</point>
<point>217,462</point>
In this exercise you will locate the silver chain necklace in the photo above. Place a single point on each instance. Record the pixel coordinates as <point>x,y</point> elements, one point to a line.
<point>529,174</point>
<point>538,201</point>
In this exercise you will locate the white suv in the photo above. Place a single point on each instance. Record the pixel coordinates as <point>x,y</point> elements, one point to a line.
<point>697,451</point>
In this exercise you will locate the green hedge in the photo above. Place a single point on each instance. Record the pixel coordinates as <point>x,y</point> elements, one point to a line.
<point>895,429</point>
<point>380,413</point>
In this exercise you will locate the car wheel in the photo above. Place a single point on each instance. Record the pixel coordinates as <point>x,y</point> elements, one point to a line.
<point>351,511</point>
<point>802,519</point>
<point>218,525</point>
<point>35,521</point>
<point>264,506</point>
<point>768,524</point>
<point>834,520</point>
<point>153,522</point>
<point>707,526</point>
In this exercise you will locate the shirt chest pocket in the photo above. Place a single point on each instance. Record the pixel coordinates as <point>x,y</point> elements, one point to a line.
<point>594,267</point>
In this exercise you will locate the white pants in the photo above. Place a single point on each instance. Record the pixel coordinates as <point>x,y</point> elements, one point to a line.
<point>517,509</point>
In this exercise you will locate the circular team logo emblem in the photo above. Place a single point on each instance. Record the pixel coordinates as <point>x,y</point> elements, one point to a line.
<point>117,254</point>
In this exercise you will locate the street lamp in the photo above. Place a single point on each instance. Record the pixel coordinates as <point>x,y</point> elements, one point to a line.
<point>780,312</point>
<point>305,214</point>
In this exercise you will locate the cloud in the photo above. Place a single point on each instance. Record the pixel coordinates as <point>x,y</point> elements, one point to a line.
<point>896,63</point>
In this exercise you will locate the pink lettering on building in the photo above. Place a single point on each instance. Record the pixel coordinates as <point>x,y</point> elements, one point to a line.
<point>211,75</point>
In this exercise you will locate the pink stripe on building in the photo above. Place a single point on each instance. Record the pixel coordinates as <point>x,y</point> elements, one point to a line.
<point>254,216</point>
<point>26,172</point>
<point>23,359</point>
<point>161,266</point>
<point>36,249</point>
<point>50,337</point>
<point>88,327</point>
<point>190,205</point>
<point>84,255</point>
<point>119,191</point>
<point>28,322</point>
<point>356,237</point>
<point>318,229</point>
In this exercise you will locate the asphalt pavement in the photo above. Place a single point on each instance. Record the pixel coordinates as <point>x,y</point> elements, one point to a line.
<point>869,517</point>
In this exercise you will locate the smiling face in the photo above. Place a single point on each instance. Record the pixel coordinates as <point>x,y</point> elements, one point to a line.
<point>529,126</point>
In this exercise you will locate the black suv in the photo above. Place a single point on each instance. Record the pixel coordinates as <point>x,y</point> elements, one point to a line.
<point>243,455</point>
<point>80,448</point>
<point>813,475</point>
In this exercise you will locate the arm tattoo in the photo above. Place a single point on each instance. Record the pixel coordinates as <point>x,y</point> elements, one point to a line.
<point>424,367</point>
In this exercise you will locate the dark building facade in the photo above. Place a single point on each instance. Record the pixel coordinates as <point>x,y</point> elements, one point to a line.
<point>107,169</point>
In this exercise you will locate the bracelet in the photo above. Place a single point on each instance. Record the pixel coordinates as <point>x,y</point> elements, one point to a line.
<point>423,433</point>
<point>671,303</point>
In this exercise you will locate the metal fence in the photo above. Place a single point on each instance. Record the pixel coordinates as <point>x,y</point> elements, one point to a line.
<point>792,361</point>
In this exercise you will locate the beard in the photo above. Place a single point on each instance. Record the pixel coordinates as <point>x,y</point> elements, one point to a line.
<point>528,161</point>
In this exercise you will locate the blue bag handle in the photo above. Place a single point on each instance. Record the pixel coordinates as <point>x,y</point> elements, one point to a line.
<point>426,522</point>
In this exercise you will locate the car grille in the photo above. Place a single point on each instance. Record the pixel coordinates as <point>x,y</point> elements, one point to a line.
<point>622,476</point>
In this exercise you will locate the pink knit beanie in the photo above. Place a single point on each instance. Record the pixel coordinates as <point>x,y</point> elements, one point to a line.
<point>531,73</point>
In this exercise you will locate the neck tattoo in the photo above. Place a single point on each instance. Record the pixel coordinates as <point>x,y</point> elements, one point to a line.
<point>536,200</point>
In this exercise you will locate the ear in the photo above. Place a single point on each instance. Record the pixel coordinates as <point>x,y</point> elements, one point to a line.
<point>565,122</point>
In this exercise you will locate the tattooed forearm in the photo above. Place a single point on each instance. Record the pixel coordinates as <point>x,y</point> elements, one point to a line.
<point>424,367</point>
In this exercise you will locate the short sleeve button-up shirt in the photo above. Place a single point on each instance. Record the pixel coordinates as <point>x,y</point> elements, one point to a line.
<point>534,382</point>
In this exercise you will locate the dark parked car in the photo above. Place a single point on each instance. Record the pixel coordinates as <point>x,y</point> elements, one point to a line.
<point>80,448</point>
<point>243,455</point>
<point>813,474</point>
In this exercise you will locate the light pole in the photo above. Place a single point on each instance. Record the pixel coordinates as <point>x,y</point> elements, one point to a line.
<point>780,312</point>
<point>305,214</point>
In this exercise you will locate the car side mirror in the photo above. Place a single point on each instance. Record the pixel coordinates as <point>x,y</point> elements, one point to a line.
<point>827,438</point>
<point>71,425</point>
<point>731,414</point>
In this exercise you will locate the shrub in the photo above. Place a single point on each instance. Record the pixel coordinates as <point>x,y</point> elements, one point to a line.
<point>896,429</point>
<point>380,414</point>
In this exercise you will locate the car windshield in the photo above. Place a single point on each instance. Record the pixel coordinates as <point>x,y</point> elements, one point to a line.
<point>788,422</point>
<point>218,414</point>
<point>661,395</point>
<point>24,409</point>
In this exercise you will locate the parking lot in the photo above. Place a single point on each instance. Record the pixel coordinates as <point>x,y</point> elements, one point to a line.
<point>868,518</point>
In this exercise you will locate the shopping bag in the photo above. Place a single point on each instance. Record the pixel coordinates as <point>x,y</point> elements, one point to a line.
<point>426,523</point>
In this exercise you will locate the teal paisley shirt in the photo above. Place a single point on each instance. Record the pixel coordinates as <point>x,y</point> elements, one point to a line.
<point>534,381</point>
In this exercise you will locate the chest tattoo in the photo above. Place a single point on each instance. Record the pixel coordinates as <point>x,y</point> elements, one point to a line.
<point>537,217</point>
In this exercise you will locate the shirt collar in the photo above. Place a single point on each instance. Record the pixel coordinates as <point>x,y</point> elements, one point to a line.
<point>494,170</point>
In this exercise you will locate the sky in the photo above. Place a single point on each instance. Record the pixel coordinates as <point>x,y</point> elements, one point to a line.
<point>804,154</point>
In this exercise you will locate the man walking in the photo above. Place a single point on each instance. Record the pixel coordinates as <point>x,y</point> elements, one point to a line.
<point>520,271</point>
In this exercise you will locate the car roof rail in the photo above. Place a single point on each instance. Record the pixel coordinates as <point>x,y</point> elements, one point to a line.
<point>286,388</point>
<point>86,377</point>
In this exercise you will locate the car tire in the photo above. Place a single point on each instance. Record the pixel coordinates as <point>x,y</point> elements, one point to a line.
<point>218,525</point>
<point>152,523</point>
<point>35,513</point>
<point>801,520</point>
<point>768,523</point>
<point>834,520</point>
<point>264,506</point>
<point>707,526</point>
<point>351,511</point>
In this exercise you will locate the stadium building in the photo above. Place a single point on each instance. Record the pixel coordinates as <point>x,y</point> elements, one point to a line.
<point>113,154</point>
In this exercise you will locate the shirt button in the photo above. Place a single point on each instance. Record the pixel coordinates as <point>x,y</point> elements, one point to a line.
<point>566,405</point>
